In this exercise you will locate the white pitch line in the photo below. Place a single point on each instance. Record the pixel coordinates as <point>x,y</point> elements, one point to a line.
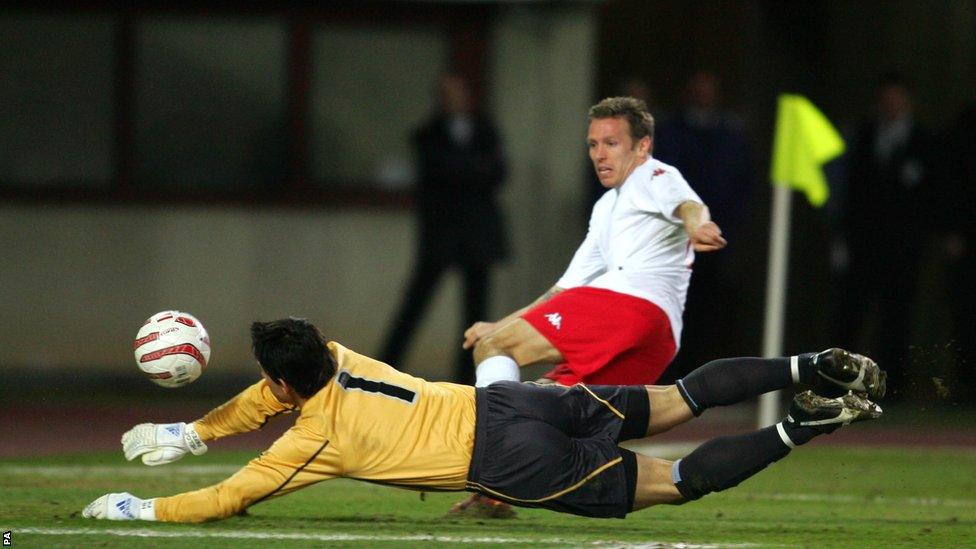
<point>844,498</point>
<point>305,536</point>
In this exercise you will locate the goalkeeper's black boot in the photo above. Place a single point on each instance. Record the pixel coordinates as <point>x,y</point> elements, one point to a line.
<point>840,371</point>
<point>827,414</point>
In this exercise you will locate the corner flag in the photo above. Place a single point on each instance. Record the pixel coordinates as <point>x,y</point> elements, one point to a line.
<point>804,141</point>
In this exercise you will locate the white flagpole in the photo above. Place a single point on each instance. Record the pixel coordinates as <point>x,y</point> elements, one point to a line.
<point>778,267</point>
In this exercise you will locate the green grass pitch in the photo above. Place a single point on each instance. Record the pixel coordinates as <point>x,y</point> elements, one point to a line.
<point>817,497</point>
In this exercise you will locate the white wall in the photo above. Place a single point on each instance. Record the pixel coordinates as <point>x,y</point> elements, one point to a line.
<point>543,82</point>
<point>79,281</point>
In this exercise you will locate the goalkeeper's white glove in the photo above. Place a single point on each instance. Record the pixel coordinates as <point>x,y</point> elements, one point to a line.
<point>122,506</point>
<point>162,443</point>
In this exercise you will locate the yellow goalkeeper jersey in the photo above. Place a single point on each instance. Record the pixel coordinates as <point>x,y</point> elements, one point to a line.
<point>369,422</point>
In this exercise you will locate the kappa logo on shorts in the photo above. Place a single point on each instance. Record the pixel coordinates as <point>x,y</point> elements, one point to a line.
<point>555,319</point>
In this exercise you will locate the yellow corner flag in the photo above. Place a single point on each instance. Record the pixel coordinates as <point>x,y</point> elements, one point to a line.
<point>804,141</point>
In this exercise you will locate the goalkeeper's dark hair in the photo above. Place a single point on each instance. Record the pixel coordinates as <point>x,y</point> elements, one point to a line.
<point>293,349</point>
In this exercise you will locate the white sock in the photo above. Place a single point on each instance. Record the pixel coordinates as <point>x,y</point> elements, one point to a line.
<point>496,368</point>
<point>795,368</point>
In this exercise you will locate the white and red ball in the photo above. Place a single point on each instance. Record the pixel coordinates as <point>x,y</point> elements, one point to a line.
<point>172,348</point>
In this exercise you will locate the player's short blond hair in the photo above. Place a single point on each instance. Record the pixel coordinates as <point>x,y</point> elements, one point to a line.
<point>630,108</point>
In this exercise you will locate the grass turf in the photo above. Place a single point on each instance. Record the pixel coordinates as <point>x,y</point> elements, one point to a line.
<point>819,496</point>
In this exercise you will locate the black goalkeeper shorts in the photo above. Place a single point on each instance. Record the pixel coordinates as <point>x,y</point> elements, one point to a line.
<point>556,447</point>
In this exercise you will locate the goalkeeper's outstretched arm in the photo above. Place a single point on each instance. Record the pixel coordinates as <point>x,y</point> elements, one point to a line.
<point>158,444</point>
<point>248,411</point>
<point>299,458</point>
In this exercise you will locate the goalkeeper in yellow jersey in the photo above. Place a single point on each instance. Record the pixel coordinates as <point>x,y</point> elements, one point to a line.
<point>526,444</point>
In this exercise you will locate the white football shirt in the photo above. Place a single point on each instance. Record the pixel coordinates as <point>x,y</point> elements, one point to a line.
<point>636,244</point>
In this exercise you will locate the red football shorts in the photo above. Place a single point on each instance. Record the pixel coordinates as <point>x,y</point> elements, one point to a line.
<point>606,337</point>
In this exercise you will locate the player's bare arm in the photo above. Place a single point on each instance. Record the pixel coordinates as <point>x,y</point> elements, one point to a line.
<point>705,234</point>
<point>478,330</point>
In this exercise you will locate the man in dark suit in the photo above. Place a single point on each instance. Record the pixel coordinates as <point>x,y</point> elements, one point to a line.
<point>710,146</point>
<point>886,226</point>
<point>958,163</point>
<point>461,167</point>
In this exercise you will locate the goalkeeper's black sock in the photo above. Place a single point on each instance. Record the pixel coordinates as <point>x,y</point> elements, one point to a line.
<point>732,380</point>
<point>724,462</point>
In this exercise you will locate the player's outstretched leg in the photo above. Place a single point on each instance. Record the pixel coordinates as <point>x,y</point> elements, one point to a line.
<point>826,414</point>
<point>840,371</point>
<point>831,373</point>
<point>725,462</point>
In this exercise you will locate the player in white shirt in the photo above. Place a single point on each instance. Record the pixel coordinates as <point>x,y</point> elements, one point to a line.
<point>614,317</point>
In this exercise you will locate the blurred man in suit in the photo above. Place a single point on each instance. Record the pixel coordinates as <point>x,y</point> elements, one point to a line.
<point>461,169</point>
<point>710,146</point>
<point>886,225</point>
<point>958,160</point>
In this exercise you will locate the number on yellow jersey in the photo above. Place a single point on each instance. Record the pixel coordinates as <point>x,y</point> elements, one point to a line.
<point>350,382</point>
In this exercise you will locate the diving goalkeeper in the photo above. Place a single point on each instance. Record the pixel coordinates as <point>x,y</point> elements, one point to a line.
<point>530,445</point>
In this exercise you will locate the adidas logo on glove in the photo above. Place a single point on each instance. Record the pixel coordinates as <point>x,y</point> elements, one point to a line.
<point>125,507</point>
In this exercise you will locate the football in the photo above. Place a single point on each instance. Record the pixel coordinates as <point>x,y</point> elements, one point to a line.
<point>172,348</point>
